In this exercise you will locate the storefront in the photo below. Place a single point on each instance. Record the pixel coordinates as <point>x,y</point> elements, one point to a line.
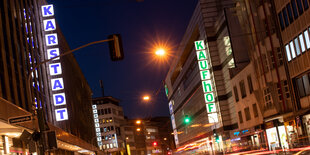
<point>247,139</point>
<point>276,135</point>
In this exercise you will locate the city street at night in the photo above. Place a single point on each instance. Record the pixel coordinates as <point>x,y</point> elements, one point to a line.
<point>154,77</point>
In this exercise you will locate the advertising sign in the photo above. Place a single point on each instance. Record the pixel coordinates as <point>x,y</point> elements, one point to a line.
<point>57,84</point>
<point>206,77</point>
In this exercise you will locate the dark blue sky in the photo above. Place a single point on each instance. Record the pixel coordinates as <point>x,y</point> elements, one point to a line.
<point>141,25</point>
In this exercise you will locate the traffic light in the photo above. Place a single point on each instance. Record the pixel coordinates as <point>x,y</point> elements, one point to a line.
<point>187,119</point>
<point>116,47</point>
<point>154,143</point>
<point>216,136</point>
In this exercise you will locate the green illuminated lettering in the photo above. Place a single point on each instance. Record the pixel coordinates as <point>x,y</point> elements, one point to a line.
<point>203,65</point>
<point>199,45</point>
<point>205,74</point>
<point>202,55</point>
<point>207,87</point>
<point>209,97</point>
<point>211,107</point>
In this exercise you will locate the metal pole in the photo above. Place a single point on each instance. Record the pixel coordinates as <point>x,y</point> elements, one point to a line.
<point>42,121</point>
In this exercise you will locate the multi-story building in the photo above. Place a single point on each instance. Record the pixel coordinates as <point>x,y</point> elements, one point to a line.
<point>148,136</point>
<point>198,82</point>
<point>109,117</point>
<point>294,32</point>
<point>28,36</point>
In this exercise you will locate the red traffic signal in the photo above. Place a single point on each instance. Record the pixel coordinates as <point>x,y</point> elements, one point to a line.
<point>154,143</point>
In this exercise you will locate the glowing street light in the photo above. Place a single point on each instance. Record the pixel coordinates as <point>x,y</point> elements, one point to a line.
<point>138,129</point>
<point>146,98</point>
<point>160,52</point>
<point>138,122</point>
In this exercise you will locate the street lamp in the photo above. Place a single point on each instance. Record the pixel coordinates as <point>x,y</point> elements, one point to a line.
<point>117,54</point>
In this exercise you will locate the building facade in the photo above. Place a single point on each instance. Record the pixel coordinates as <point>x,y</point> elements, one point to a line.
<point>148,136</point>
<point>198,81</point>
<point>24,44</point>
<point>241,77</point>
<point>293,22</point>
<point>109,117</point>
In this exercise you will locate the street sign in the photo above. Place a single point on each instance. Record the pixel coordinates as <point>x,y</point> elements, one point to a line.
<point>20,119</point>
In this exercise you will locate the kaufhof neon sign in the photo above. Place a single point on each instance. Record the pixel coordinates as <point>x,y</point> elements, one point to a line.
<point>97,125</point>
<point>207,80</point>
<point>57,84</point>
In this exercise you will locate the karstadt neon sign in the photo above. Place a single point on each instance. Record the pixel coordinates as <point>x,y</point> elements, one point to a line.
<point>57,84</point>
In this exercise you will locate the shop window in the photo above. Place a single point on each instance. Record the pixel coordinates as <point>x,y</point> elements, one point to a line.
<point>247,114</point>
<point>292,49</point>
<point>242,89</point>
<point>297,46</point>
<point>299,5</point>
<point>288,53</point>
<point>255,110</point>
<point>236,94</point>
<point>250,84</point>
<point>307,38</point>
<point>302,43</point>
<point>240,117</point>
<point>285,17</point>
<point>293,2</point>
<point>289,12</point>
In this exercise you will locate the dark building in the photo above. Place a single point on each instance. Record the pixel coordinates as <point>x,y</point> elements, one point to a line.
<point>23,45</point>
<point>148,136</point>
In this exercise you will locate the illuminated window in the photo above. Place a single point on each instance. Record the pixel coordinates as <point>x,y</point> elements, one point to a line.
<point>306,34</point>
<point>108,146</point>
<point>111,145</point>
<point>288,53</point>
<point>302,43</point>
<point>292,50</point>
<point>103,120</point>
<point>297,46</point>
<point>115,145</point>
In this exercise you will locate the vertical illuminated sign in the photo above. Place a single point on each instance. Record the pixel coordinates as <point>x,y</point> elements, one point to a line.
<point>207,80</point>
<point>97,126</point>
<point>57,84</point>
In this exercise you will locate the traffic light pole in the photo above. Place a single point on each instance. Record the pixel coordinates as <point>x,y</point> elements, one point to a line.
<point>40,111</point>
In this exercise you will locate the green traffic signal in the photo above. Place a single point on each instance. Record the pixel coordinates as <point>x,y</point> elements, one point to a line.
<point>187,119</point>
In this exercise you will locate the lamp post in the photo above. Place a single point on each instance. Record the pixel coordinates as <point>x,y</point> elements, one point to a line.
<point>40,111</point>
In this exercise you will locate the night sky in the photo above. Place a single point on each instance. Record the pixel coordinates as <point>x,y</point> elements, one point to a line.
<point>142,25</point>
